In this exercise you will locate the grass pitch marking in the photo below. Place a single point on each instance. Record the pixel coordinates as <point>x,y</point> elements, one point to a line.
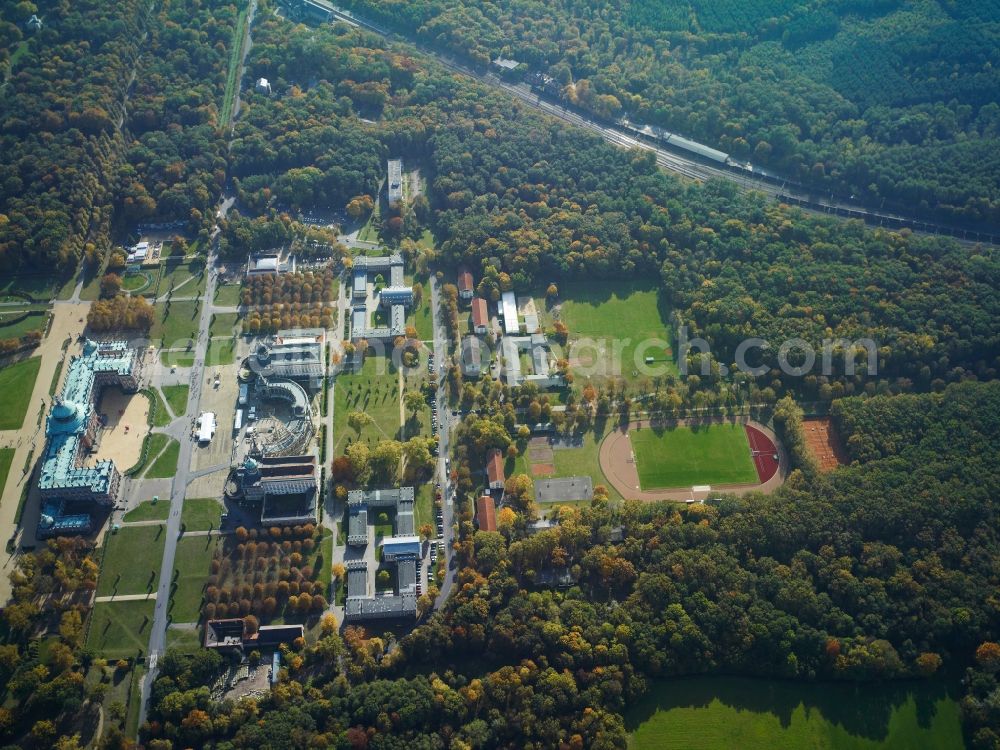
<point>685,456</point>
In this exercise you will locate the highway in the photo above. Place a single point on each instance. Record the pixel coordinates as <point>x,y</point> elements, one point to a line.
<point>679,163</point>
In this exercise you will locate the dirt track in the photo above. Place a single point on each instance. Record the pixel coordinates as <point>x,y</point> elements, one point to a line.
<point>615,457</point>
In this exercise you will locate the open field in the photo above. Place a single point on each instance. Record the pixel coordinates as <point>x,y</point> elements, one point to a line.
<point>177,397</point>
<point>720,712</point>
<point>220,352</point>
<point>185,640</point>
<point>147,511</point>
<point>131,561</point>
<point>373,390</point>
<point>6,458</point>
<point>201,514</point>
<point>618,321</point>
<point>16,384</point>
<point>191,569</point>
<point>224,324</point>
<point>174,323</point>
<point>161,417</point>
<point>687,456</point>
<point>233,73</point>
<point>35,321</point>
<point>422,318</point>
<point>157,442</point>
<point>185,278</point>
<point>165,464</point>
<point>177,358</point>
<point>228,295</point>
<point>120,629</point>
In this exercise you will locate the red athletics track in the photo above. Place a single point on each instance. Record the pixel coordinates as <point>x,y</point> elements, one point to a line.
<point>764,453</point>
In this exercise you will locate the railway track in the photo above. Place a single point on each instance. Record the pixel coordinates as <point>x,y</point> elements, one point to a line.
<point>684,165</point>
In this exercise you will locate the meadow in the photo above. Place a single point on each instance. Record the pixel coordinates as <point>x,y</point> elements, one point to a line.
<point>714,712</point>
<point>623,320</point>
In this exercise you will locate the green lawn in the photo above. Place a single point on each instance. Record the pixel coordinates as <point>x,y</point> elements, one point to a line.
<point>39,286</point>
<point>224,324</point>
<point>16,385</point>
<point>147,511</point>
<point>164,465</point>
<point>177,358</point>
<point>120,629</point>
<point>191,569</point>
<point>423,504</point>
<point>35,321</point>
<point>161,418</point>
<point>174,323</point>
<point>157,442</point>
<point>138,282</point>
<point>6,458</point>
<point>132,560</point>
<point>683,456</point>
<point>185,640</point>
<point>201,513</point>
<point>186,278</point>
<point>233,72</point>
<point>220,352</point>
<point>373,390</point>
<point>618,317</point>
<point>134,699</point>
<point>724,712</point>
<point>177,398</point>
<point>422,318</point>
<point>228,295</point>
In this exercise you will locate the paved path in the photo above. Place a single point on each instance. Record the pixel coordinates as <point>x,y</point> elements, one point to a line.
<point>125,597</point>
<point>444,442</point>
<point>158,633</point>
<point>617,462</point>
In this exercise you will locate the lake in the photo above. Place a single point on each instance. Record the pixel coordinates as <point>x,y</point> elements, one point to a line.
<point>755,714</point>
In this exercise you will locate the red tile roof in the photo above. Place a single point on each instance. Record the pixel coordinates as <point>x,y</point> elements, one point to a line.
<point>480,313</point>
<point>494,466</point>
<point>465,281</point>
<point>486,513</point>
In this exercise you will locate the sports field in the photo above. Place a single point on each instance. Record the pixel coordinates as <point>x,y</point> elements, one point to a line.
<point>685,456</point>
<point>618,322</point>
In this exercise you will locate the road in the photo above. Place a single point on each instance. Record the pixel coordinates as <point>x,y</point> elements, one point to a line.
<point>445,423</point>
<point>676,162</point>
<point>161,619</point>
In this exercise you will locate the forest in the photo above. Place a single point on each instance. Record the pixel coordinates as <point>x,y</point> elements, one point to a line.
<point>75,162</point>
<point>894,103</point>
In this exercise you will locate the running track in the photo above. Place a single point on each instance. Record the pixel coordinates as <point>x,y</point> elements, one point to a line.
<point>763,451</point>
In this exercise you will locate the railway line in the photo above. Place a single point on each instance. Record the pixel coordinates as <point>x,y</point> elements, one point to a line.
<point>744,175</point>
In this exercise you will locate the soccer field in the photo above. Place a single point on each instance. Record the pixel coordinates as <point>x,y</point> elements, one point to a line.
<point>684,457</point>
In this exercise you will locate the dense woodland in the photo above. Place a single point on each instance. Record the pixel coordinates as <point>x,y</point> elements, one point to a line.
<point>75,159</point>
<point>886,568</point>
<point>176,162</point>
<point>884,100</point>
